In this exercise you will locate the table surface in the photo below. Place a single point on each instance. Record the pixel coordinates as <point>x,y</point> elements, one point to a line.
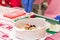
<point>6,30</point>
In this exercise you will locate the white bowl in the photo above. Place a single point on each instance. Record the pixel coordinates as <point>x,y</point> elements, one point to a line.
<point>31,34</point>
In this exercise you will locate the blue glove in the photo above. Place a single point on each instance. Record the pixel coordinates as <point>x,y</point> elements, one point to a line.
<point>58,18</point>
<point>25,4</point>
<point>28,5</point>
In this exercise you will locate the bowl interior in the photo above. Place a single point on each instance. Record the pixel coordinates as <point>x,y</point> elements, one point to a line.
<point>38,22</point>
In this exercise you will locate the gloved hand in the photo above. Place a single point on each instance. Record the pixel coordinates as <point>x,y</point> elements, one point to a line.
<point>28,5</point>
<point>58,18</point>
